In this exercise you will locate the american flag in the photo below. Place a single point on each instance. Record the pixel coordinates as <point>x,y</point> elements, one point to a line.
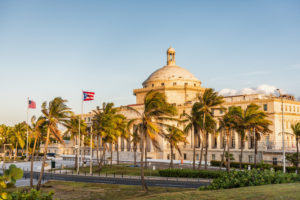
<point>88,96</point>
<point>31,104</point>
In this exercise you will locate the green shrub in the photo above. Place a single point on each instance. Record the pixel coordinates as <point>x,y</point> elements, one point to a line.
<point>235,179</point>
<point>31,195</point>
<point>258,165</point>
<point>189,173</point>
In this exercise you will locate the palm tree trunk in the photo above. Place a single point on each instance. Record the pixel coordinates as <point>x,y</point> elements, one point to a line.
<point>16,151</point>
<point>171,162</point>
<point>111,154</point>
<point>144,186</point>
<point>255,150</point>
<point>31,164</point>
<point>206,140</point>
<point>118,162</point>
<point>38,186</point>
<point>102,159</point>
<point>194,148</point>
<point>297,161</point>
<point>146,146</point>
<point>201,154</point>
<point>242,147</point>
<point>228,154</point>
<point>97,150</point>
<point>135,148</point>
<point>223,156</point>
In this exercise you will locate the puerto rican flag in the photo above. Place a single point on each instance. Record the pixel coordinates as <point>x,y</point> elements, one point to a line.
<point>31,104</point>
<point>88,96</point>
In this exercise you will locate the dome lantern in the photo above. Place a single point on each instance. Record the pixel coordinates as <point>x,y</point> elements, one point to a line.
<point>171,56</point>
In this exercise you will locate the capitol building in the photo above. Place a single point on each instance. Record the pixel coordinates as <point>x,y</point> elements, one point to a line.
<point>181,89</point>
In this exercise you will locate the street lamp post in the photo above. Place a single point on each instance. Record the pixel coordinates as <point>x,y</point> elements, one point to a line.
<point>282,130</point>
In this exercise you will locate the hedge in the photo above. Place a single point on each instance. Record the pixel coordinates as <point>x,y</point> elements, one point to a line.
<point>235,179</point>
<point>258,165</point>
<point>189,173</point>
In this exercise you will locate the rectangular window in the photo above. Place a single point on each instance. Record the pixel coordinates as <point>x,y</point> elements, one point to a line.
<point>197,156</point>
<point>233,141</point>
<point>274,161</point>
<point>174,83</point>
<point>168,156</point>
<point>213,156</point>
<point>184,156</point>
<point>250,158</point>
<point>265,107</point>
<point>162,84</point>
<point>185,84</point>
<point>152,85</point>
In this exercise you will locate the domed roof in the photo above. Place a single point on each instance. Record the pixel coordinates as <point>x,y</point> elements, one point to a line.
<point>171,72</point>
<point>171,50</point>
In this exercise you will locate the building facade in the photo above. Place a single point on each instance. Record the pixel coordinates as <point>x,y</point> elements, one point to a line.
<point>181,89</point>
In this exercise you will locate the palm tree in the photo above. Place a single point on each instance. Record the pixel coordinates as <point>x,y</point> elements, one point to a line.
<point>55,113</point>
<point>18,135</point>
<point>227,126</point>
<point>135,140</point>
<point>108,125</point>
<point>296,132</point>
<point>245,120</point>
<point>192,123</point>
<point>210,127</point>
<point>149,123</point>
<point>174,137</point>
<point>207,101</point>
<point>122,131</point>
<point>72,130</point>
<point>36,129</point>
<point>259,124</point>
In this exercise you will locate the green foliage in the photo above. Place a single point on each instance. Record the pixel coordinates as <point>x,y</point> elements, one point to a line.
<point>235,179</point>
<point>261,166</point>
<point>31,195</point>
<point>292,157</point>
<point>12,174</point>
<point>189,173</point>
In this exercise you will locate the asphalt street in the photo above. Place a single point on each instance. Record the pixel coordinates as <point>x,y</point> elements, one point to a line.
<point>122,181</point>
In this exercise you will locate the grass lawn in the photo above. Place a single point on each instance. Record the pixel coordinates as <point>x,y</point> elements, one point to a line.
<point>267,192</point>
<point>96,191</point>
<point>119,169</point>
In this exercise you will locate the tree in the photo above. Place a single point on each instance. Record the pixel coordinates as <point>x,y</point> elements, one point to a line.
<point>245,120</point>
<point>150,122</point>
<point>18,136</point>
<point>72,129</point>
<point>55,113</point>
<point>226,125</point>
<point>210,99</point>
<point>192,123</point>
<point>37,126</point>
<point>109,125</point>
<point>135,140</point>
<point>296,132</point>
<point>174,137</point>
<point>258,125</point>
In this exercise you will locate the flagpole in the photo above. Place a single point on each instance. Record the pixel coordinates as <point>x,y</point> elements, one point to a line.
<point>79,145</point>
<point>91,152</point>
<point>27,128</point>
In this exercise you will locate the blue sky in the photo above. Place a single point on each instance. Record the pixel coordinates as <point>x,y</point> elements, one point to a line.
<point>60,47</point>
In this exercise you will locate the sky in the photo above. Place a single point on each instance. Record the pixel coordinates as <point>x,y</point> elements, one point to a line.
<point>51,48</point>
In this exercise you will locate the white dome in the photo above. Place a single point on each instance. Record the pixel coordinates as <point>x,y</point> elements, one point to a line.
<point>171,73</point>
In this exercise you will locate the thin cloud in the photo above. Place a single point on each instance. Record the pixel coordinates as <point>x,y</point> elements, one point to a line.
<point>261,89</point>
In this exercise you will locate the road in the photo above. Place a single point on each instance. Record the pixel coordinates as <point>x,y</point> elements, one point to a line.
<point>123,181</point>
